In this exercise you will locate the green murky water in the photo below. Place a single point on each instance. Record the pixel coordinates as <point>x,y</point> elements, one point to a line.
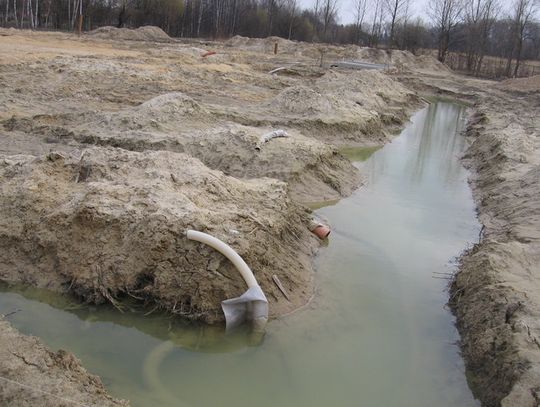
<point>376,334</point>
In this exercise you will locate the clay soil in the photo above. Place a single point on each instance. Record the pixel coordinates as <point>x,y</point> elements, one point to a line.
<point>113,144</point>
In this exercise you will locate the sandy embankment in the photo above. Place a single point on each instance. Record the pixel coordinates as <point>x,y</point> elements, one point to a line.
<point>33,375</point>
<point>182,117</point>
<point>496,294</point>
<point>111,149</point>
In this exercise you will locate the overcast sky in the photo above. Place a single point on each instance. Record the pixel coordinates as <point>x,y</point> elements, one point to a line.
<point>346,8</point>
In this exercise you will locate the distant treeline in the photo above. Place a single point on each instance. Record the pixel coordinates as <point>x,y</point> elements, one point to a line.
<point>473,28</point>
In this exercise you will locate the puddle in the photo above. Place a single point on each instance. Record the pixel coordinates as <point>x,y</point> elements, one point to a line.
<point>359,153</point>
<point>376,334</point>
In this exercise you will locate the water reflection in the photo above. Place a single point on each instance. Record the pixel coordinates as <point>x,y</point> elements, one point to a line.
<point>191,336</point>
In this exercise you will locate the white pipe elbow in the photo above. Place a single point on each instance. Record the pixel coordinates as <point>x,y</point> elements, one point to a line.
<point>228,252</point>
<point>252,304</point>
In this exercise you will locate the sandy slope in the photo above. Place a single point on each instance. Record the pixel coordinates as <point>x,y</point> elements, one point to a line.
<point>112,146</point>
<point>32,375</point>
<point>168,139</point>
<point>497,292</point>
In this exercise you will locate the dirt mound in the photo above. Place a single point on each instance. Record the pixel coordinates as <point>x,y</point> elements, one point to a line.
<point>301,101</point>
<point>388,57</point>
<point>27,361</point>
<point>530,84</point>
<point>339,107</point>
<point>175,122</point>
<point>263,45</point>
<point>398,58</point>
<point>111,225</point>
<point>427,62</point>
<point>146,33</point>
<point>266,45</point>
<point>342,107</point>
<point>6,32</point>
<point>164,109</point>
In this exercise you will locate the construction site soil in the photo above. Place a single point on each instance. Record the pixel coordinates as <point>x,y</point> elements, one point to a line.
<point>114,143</point>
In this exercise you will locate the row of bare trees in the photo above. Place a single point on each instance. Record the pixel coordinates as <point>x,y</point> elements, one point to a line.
<point>472,28</point>
<point>480,27</point>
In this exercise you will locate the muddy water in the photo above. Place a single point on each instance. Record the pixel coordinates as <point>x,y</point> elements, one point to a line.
<point>376,334</point>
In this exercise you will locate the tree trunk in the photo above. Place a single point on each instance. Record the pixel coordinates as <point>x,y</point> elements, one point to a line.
<point>199,18</point>
<point>290,27</point>
<point>393,23</point>
<point>518,56</point>
<point>121,15</point>
<point>15,13</point>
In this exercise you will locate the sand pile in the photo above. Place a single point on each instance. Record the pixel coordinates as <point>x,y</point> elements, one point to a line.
<point>429,63</point>
<point>265,45</point>
<point>146,33</point>
<point>302,101</point>
<point>111,225</point>
<point>391,57</point>
<point>175,122</point>
<point>5,32</point>
<point>342,107</point>
<point>169,108</point>
<point>285,47</point>
<point>399,58</point>
<point>374,55</point>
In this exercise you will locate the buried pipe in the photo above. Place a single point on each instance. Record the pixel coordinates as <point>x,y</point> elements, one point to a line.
<point>265,138</point>
<point>319,229</point>
<point>252,305</point>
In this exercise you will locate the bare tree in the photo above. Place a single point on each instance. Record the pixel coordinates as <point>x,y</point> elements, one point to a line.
<point>15,12</point>
<point>445,15</point>
<point>272,8</point>
<point>376,24</point>
<point>328,11</point>
<point>396,10</point>
<point>292,13</point>
<point>360,14</point>
<point>479,16</point>
<point>523,13</point>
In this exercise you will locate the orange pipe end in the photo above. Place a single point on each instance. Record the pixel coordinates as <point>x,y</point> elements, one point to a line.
<point>321,231</point>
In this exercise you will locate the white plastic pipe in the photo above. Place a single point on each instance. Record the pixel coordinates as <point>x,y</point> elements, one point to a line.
<point>251,305</point>
<point>228,252</point>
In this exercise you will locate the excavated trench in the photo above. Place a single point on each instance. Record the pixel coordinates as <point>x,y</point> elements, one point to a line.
<point>377,332</point>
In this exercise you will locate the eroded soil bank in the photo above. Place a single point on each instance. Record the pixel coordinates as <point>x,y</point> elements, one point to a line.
<point>33,375</point>
<point>111,146</point>
<point>115,143</point>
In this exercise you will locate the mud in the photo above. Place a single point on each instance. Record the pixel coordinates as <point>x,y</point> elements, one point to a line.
<point>33,375</point>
